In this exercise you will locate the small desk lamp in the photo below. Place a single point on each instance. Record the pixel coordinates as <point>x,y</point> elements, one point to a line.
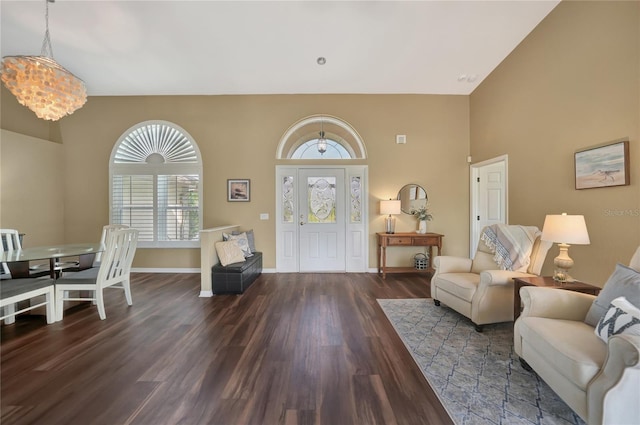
<point>564,230</point>
<point>392,206</point>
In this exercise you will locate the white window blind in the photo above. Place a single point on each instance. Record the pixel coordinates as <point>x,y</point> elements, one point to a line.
<point>155,185</point>
<point>178,202</point>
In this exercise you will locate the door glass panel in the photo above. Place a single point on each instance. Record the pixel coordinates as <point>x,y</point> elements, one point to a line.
<point>287,199</point>
<point>321,195</point>
<point>356,199</point>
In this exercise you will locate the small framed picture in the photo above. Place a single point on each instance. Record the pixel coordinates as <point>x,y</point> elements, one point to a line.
<point>603,166</point>
<point>238,190</point>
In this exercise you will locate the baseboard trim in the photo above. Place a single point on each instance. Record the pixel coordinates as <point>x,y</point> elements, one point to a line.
<point>160,270</point>
<point>176,270</point>
<point>187,270</point>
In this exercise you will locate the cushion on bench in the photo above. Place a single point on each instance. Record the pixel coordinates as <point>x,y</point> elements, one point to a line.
<point>235,267</point>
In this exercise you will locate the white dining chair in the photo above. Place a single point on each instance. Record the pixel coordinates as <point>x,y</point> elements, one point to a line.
<point>114,272</point>
<point>10,239</point>
<point>13,291</point>
<point>11,242</point>
<point>106,230</point>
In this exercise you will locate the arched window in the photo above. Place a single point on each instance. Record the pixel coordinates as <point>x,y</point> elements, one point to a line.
<point>155,185</point>
<point>321,149</point>
<point>321,137</point>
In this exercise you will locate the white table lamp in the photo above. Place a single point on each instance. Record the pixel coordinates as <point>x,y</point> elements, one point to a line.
<point>390,207</point>
<point>564,230</point>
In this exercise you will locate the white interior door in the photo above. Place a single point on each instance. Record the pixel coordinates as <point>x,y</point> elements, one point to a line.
<point>489,197</point>
<point>322,221</point>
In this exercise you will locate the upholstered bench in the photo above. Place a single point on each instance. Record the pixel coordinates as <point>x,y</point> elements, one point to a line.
<point>235,278</point>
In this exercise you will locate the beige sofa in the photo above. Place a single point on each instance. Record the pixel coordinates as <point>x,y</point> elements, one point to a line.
<point>474,288</point>
<point>599,381</point>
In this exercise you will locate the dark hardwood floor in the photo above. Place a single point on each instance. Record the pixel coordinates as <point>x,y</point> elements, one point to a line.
<point>293,349</point>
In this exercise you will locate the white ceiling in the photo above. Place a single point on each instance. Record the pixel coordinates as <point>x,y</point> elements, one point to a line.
<point>266,47</point>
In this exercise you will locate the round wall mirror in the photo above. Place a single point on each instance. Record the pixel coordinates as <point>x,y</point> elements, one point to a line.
<point>412,197</point>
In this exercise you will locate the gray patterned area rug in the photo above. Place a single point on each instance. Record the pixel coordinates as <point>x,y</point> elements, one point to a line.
<point>477,376</point>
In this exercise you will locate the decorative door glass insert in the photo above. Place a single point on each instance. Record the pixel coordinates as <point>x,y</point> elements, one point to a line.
<point>321,195</point>
<point>287,199</point>
<point>356,199</point>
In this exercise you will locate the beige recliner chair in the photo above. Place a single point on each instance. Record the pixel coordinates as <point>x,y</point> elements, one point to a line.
<point>477,288</point>
<point>599,381</point>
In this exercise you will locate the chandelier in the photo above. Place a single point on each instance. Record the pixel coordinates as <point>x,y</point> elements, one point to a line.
<point>42,84</point>
<point>322,142</point>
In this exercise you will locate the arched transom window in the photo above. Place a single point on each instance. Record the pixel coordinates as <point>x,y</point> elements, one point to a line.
<point>321,137</point>
<point>155,184</point>
<point>321,148</point>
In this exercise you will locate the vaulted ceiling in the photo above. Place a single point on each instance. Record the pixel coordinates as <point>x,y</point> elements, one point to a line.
<point>266,47</point>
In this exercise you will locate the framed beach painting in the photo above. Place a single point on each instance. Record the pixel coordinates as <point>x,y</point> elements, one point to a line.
<point>603,166</point>
<point>238,190</point>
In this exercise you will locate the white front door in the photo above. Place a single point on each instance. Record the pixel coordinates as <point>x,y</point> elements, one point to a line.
<point>322,220</point>
<point>489,197</point>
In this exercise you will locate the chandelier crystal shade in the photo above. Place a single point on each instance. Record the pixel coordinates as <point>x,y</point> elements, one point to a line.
<point>322,143</point>
<point>42,84</point>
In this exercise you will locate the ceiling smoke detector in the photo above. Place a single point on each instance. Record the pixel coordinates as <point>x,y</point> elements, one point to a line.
<point>469,78</point>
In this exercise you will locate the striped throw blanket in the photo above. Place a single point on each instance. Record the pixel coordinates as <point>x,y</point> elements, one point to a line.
<point>511,244</point>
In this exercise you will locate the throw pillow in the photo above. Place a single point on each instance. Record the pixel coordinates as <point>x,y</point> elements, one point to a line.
<point>229,252</point>
<point>621,318</point>
<point>623,282</point>
<point>242,240</point>
<point>250,237</point>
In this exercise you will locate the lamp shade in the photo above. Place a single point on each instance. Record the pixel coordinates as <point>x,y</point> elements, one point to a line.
<point>567,229</point>
<point>392,206</point>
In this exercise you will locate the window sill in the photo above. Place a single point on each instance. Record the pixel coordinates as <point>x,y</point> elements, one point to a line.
<point>170,245</point>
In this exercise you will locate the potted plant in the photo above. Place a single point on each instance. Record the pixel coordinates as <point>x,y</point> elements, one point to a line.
<point>423,215</point>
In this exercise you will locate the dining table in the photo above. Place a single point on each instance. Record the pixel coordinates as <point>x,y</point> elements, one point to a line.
<point>18,260</point>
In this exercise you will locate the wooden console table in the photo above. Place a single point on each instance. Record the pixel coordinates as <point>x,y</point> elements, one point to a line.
<point>406,239</point>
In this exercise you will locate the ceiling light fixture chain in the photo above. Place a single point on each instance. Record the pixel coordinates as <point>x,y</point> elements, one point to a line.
<point>42,84</point>
<point>47,50</point>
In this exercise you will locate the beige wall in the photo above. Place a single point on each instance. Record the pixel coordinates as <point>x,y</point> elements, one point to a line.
<point>573,83</point>
<point>238,137</point>
<point>31,178</point>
